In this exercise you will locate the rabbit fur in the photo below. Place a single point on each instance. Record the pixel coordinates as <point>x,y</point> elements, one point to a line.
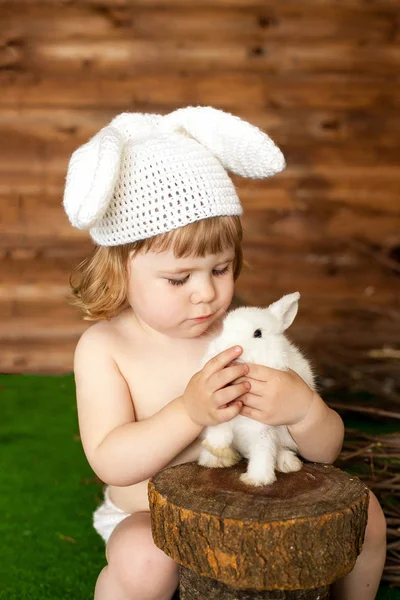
<point>266,447</point>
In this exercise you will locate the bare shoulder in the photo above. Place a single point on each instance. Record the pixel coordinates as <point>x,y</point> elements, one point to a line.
<point>103,397</point>
<point>101,338</point>
<point>99,335</point>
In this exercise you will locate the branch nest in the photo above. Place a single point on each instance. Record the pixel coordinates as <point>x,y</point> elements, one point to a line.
<point>366,382</point>
<point>375,459</point>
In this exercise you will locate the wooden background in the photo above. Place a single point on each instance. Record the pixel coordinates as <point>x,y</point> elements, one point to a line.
<point>322,78</point>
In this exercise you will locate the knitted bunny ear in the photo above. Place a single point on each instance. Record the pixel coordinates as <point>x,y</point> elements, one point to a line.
<point>92,174</point>
<point>241,147</point>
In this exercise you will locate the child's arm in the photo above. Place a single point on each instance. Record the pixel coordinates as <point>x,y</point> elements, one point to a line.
<point>283,398</point>
<point>319,435</point>
<point>120,450</point>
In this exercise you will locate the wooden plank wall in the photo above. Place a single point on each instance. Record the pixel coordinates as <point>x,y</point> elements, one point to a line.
<point>321,76</point>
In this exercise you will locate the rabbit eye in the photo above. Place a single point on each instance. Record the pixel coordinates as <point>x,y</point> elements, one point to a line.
<point>257,333</point>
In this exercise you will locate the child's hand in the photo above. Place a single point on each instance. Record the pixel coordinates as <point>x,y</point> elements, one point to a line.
<point>208,397</point>
<point>275,397</point>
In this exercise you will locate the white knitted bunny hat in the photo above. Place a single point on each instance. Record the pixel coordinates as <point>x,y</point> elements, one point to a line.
<point>146,174</point>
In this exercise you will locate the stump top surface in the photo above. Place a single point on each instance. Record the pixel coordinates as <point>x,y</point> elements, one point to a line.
<point>315,490</point>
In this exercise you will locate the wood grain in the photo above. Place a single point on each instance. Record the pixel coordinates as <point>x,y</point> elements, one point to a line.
<point>227,90</point>
<point>366,23</point>
<point>280,536</point>
<point>320,78</point>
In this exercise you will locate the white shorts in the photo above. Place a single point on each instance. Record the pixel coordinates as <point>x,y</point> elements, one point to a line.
<point>107,516</point>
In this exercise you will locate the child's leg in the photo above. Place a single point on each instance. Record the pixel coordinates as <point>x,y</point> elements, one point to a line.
<point>137,569</point>
<point>363,580</point>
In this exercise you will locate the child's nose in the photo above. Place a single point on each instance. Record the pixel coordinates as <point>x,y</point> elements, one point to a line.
<point>204,292</point>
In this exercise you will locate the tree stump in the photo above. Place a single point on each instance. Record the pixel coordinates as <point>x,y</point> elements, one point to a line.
<point>288,540</point>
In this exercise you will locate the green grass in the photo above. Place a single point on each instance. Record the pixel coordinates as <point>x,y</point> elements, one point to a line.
<point>47,494</point>
<point>49,550</point>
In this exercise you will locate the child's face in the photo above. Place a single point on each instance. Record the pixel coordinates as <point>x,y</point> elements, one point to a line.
<point>169,302</point>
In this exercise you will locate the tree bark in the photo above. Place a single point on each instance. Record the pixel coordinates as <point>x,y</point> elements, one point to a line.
<point>195,587</point>
<point>301,533</point>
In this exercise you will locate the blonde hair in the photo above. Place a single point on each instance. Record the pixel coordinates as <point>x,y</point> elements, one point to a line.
<point>102,277</point>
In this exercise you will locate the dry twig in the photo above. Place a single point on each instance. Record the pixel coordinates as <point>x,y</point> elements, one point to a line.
<point>375,459</point>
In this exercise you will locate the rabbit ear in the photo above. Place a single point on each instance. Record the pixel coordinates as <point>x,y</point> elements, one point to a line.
<point>285,309</point>
<point>92,174</point>
<point>241,147</point>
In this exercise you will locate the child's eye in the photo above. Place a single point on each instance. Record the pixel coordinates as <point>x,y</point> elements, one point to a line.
<point>178,281</point>
<point>182,281</point>
<point>221,271</point>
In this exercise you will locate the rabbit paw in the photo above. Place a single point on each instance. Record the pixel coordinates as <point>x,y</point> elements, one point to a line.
<point>226,452</point>
<point>288,462</point>
<point>257,481</point>
<point>208,459</point>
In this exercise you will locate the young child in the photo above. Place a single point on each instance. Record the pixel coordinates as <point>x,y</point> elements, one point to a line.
<point>155,195</point>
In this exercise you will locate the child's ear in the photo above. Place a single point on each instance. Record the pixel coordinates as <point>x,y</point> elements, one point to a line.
<point>285,309</point>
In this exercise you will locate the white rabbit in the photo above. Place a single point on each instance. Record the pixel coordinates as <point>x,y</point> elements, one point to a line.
<point>260,333</point>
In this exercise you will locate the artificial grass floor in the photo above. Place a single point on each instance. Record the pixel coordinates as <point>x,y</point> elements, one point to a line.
<point>49,550</point>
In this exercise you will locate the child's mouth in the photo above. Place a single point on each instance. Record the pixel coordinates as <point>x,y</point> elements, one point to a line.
<point>202,318</point>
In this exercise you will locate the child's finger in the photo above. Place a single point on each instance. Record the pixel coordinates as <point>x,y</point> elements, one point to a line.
<point>230,374</point>
<point>231,393</point>
<point>222,359</point>
<point>231,411</point>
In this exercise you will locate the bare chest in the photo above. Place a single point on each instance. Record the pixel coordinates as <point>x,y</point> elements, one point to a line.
<point>155,376</point>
